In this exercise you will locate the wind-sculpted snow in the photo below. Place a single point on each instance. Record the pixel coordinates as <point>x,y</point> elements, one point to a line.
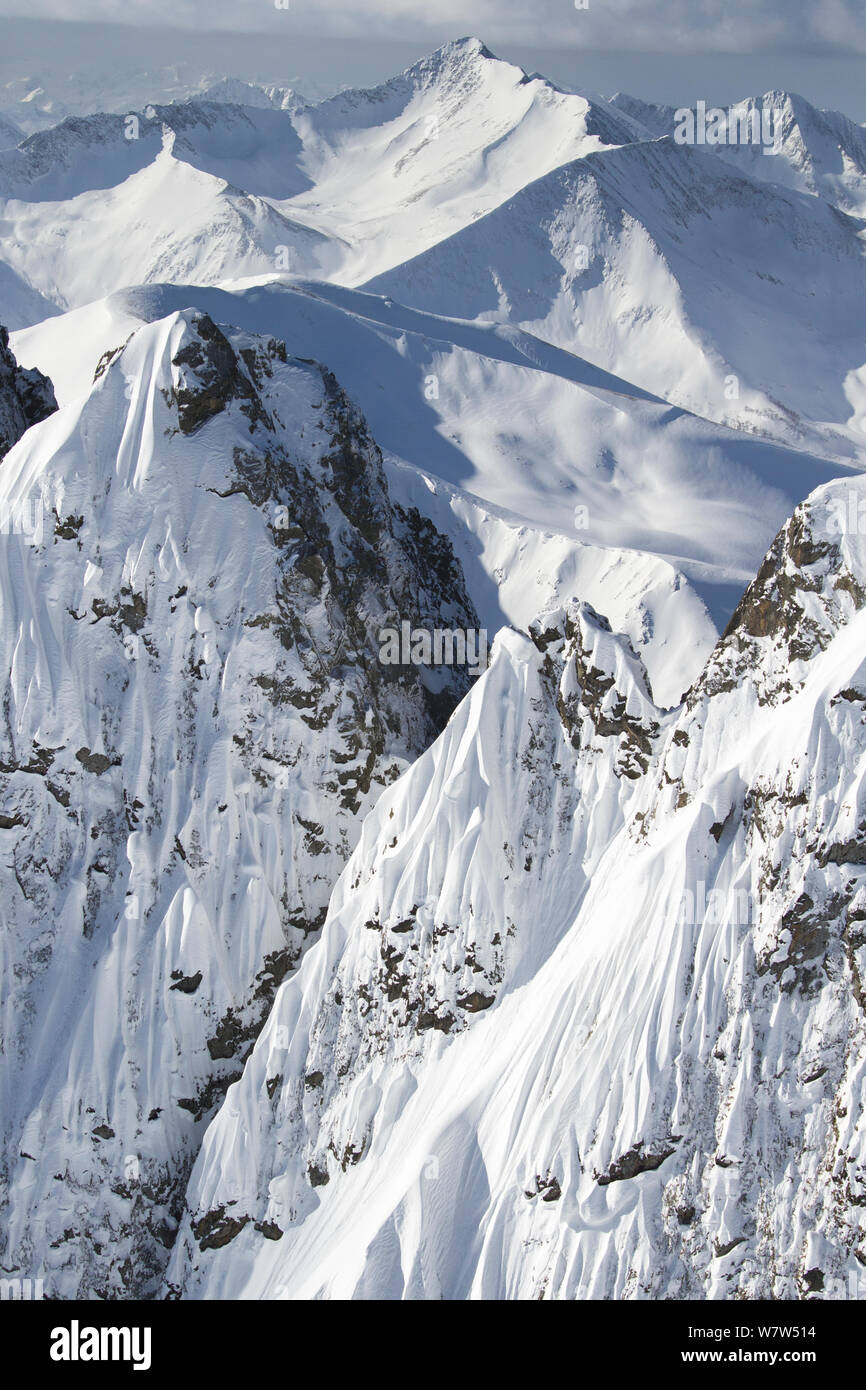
<point>194,722</point>
<point>587,1014</point>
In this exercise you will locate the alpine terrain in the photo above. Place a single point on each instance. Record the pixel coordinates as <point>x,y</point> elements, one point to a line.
<point>433,739</point>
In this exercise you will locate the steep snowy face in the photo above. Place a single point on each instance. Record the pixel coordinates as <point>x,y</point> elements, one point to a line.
<point>398,168</point>
<point>586,1019</point>
<point>26,397</point>
<point>429,928</point>
<point>735,298</point>
<point>195,719</point>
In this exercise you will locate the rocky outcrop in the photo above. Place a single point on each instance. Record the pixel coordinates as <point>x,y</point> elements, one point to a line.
<point>26,397</point>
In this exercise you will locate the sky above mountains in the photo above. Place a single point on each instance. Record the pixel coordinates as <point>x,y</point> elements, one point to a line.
<point>685,51</point>
<point>731,26</point>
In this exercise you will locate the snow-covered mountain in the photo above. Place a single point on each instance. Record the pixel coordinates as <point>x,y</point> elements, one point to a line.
<point>195,721</point>
<point>817,152</point>
<point>39,100</point>
<point>322,976</point>
<point>529,432</point>
<point>470,189</point>
<point>587,1016</point>
<point>736,299</point>
<point>373,175</point>
<point>158,199</point>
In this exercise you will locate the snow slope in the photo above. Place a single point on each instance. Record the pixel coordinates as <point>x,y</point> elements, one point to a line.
<point>733,298</point>
<point>195,721</point>
<point>533,433</point>
<point>817,152</point>
<point>587,1015</point>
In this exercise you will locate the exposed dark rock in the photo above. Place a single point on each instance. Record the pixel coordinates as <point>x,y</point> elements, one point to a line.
<point>26,397</point>
<point>214,378</point>
<point>427,1019</point>
<point>547,1188</point>
<point>215,1229</point>
<point>640,1158</point>
<point>269,1229</point>
<point>94,762</point>
<point>475,1002</point>
<point>187,984</point>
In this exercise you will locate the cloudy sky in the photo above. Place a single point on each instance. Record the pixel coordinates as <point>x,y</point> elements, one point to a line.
<point>674,50</point>
<point>732,26</point>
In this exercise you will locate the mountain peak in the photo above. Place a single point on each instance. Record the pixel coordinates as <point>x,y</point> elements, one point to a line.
<point>456,60</point>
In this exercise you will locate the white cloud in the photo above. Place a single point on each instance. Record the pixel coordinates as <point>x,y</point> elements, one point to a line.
<point>676,25</point>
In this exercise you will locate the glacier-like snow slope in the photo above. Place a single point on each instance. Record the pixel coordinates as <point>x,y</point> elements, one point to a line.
<point>196,561</point>
<point>587,1017</point>
<point>524,427</point>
